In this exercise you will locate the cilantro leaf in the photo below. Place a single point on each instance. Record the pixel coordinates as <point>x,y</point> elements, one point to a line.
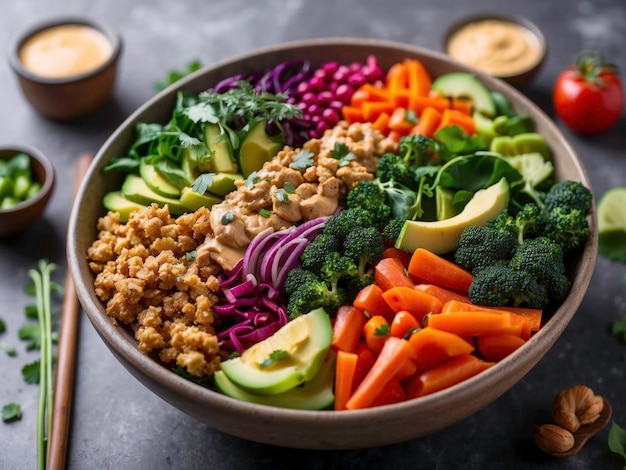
<point>202,182</point>
<point>31,333</point>
<point>174,75</point>
<point>30,372</point>
<point>382,330</point>
<point>342,153</point>
<point>30,311</point>
<point>282,196</point>
<point>227,218</point>
<point>265,213</point>
<point>289,188</point>
<point>11,412</point>
<point>617,440</point>
<point>303,160</point>
<point>252,179</point>
<point>274,356</point>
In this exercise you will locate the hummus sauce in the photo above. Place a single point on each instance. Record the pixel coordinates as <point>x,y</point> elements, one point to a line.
<point>64,51</point>
<point>500,48</point>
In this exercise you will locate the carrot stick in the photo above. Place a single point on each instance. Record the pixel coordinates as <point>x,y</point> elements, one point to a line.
<point>527,318</point>
<point>352,114</point>
<point>390,361</point>
<point>451,117</point>
<point>442,294</point>
<point>419,80</point>
<point>393,252</point>
<point>497,347</point>
<point>359,97</point>
<point>414,301</point>
<point>347,329</point>
<point>428,122</point>
<point>375,93</point>
<point>372,109</point>
<point>370,300</point>
<point>376,331</point>
<point>449,373</point>
<point>392,392</point>
<point>397,121</point>
<point>364,363</point>
<point>389,272</point>
<point>433,347</point>
<point>344,377</point>
<point>395,136</point>
<point>381,123</point>
<point>419,103</point>
<point>397,77</point>
<point>470,324</point>
<point>434,269</point>
<point>403,322</point>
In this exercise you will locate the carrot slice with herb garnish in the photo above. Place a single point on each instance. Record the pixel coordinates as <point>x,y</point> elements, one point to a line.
<point>376,331</point>
<point>389,362</point>
<point>431,268</point>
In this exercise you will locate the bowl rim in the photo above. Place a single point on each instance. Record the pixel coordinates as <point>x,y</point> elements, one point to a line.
<point>46,186</point>
<point>519,20</point>
<point>146,367</point>
<point>112,36</point>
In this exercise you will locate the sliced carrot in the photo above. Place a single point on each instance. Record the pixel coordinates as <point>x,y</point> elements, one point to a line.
<point>470,324</point>
<point>414,301</point>
<point>352,114</point>
<point>403,322</point>
<point>401,98</point>
<point>397,121</point>
<point>389,272</point>
<point>450,117</point>
<point>392,392</point>
<point>433,347</point>
<point>372,109</point>
<point>381,124</point>
<point>347,329</point>
<point>344,378</point>
<point>389,362</point>
<point>393,252</point>
<point>428,122</point>
<point>397,77</point>
<point>449,373</point>
<point>376,331</point>
<point>375,93</point>
<point>370,300</point>
<point>442,294</point>
<point>419,103</point>
<point>408,370</point>
<point>462,105</point>
<point>359,97</point>
<point>526,322</point>
<point>533,315</point>
<point>419,80</point>
<point>395,136</point>
<point>431,268</point>
<point>497,347</point>
<point>366,359</point>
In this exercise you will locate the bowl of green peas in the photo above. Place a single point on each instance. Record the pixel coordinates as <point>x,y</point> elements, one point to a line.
<point>26,184</point>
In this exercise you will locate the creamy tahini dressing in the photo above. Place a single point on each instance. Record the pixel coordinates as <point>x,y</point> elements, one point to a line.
<point>497,47</point>
<point>64,51</point>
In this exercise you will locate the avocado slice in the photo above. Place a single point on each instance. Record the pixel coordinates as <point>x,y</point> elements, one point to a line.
<point>442,236</point>
<point>527,142</point>
<point>219,145</point>
<point>156,181</point>
<point>466,85</point>
<point>115,202</point>
<point>136,190</point>
<point>304,342</point>
<point>194,201</point>
<point>256,149</point>
<point>223,183</point>
<point>317,394</point>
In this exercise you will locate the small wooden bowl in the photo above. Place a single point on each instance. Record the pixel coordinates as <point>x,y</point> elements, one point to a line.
<point>72,97</point>
<point>20,216</point>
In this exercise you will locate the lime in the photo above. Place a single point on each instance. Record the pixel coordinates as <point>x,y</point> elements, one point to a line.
<point>612,224</point>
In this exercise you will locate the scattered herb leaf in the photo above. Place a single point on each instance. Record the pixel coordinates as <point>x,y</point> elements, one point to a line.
<point>30,372</point>
<point>382,330</point>
<point>174,75</point>
<point>252,179</point>
<point>619,328</point>
<point>11,412</point>
<point>274,356</point>
<point>303,160</point>
<point>227,218</point>
<point>265,213</point>
<point>31,333</point>
<point>30,311</point>
<point>617,440</point>
<point>3,327</point>
<point>10,350</point>
<point>342,153</point>
<point>282,196</point>
<point>190,256</point>
<point>290,188</point>
<point>202,182</point>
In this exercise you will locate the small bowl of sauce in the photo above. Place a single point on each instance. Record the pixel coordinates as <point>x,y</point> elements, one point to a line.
<point>66,67</point>
<point>508,47</point>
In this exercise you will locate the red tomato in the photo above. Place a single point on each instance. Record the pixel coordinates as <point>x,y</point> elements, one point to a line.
<point>589,96</point>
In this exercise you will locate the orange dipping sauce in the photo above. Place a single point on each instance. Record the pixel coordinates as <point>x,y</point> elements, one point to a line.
<point>64,51</point>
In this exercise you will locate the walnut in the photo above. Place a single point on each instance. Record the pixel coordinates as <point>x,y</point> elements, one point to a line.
<point>552,438</point>
<point>576,406</point>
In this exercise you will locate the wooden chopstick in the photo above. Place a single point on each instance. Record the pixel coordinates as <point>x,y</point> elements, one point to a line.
<point>66,355</point>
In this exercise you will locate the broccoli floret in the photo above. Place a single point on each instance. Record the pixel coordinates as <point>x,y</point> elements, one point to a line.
<point>392,167</point>
<point>570,229</point>
<point>336,268</point>
<point>392,230</point>
<point>296,278</point>
<point>527,222</point>
<point>480,247</point>
<point>364,245</point>
<point>315,253</point>
<point>313,294</point>
<point>543,259</point>
<point>501,285</point>
<point>568,195</point>
<point>370,196</point>
<point>341,224</point>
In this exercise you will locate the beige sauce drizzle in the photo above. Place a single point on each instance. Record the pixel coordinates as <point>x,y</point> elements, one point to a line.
<point>65,51</point>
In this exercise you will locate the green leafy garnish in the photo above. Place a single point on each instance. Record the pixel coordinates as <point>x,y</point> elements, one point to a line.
<point>30,372</point>
<point>282,196</point>
<point>289,188</point>
<point>618,328</point>
<point>3,327</point>
<point>303,160</point>
<point>202,183</point>
<point>190,256</point>
<point>617,440</point>
<point>251,180</point>
<point>382,330</point>
<point>31,333</point>
<point>9,350</point>
<point>174,75</point>
<point>227,218</point>
<point>11,412</point>
<point>342,153</point>
<point>265,213</point>
<point>274,356</point>
<point>30,311</point>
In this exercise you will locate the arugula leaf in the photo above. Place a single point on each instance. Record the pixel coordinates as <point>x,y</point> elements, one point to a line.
<point>274,356</point>
<point>302,160</point>
<point>617,440</point>
<point>30,372</point>
<point>126,164</point>
<point>202,182</point>
<point>342,153</point>
<point>174,75</point>
<point>11,412</point>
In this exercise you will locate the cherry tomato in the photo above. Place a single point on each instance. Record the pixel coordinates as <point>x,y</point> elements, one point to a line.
<point>589,96</point>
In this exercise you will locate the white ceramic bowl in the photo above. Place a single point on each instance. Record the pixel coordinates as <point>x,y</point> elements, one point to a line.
<point>316,429</point>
